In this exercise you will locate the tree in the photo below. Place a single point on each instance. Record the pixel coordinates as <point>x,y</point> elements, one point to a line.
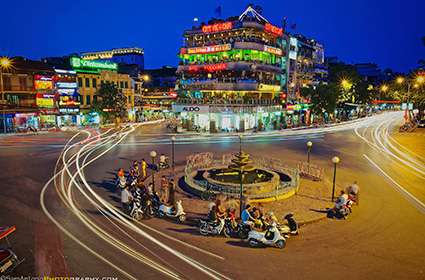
<point>111,103</point>
<point>323,98</point>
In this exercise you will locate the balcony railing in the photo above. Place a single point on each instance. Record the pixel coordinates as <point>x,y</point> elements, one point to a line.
<point>227,101</point>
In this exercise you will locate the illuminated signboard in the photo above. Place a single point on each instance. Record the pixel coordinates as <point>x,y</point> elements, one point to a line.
<point>274,30</point>
<point>45,100</point>
<point>217,27</point>
<point>265,87</point>
<point>273,50</point>
<point>69,110</point>
<point>66,85</point>
<point>208,49</point>
<point>43,84</point>
<point>208,68</point>
<point>79,63</point>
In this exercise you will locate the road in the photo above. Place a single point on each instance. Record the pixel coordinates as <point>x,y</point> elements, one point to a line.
<point>72,224</point>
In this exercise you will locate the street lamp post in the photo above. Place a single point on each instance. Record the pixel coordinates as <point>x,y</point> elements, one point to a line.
<point>173,140</point>
<point>335,161</point>
<point>309,146</point>
<point>240,179</point>
<point>153,156</point>
<point>5,63</point>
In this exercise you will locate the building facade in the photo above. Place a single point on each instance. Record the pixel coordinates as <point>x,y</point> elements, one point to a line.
<point>120,55</point>
<point>232,74</point>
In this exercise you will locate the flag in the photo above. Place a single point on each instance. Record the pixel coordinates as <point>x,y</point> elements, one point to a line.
<point>217,11</point>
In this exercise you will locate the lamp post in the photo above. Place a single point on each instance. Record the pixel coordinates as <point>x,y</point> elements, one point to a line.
<point>240,179</point>
<point>335,161</point>
<point>5,63</point>
<point>309,146</point>
<point>153,156</point>
<point>173,140</point>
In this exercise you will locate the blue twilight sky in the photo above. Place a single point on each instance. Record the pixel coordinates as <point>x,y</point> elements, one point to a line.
<point>385,32</point>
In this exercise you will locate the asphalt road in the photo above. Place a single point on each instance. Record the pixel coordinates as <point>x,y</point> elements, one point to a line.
<point>382,239</point>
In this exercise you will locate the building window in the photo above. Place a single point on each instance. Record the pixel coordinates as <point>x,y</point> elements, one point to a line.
<point>126,84</point>
<point>136,87</point>
<point>87,99</point>
<point>80,82</point>
<point>87,82</point>
<point>22,83</point>
<point>121,84</point>
<point>129,99</point>
<point>94,82</point>
<point>7,83</point>
<point>94,99</point>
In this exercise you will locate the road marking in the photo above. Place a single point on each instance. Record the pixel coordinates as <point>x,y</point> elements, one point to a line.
<point>410,197</point>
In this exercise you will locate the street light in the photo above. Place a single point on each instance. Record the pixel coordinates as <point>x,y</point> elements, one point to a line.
<point>420,79</point>
<point>153,156</point>
<point>5,64</point>
<point>240,178</point>
<point>335,161</point>
<point>309,146</point>
<point>384,88</point>
<point>346,84</point>
<point>173,139</point>
<point>400,80</point>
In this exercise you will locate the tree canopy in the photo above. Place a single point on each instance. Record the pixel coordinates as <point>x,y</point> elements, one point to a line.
<point>111,102</point>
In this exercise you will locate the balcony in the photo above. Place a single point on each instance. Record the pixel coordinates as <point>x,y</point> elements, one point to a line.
<point>214,101</point>
<point>231,66</point>
<point>231,84</point>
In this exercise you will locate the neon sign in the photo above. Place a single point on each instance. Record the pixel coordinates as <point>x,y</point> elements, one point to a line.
<point>274,30</point>
<point>217,27</point>
<point>207,49</point>
<point>77,62</point>
<point>43,84</point>
<point>273,50</point>
<point>208,68</point>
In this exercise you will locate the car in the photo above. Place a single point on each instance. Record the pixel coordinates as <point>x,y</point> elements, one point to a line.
<point>421,123</point>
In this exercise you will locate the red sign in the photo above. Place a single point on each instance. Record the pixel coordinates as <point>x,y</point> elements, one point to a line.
<point>274,30</point>
<point>386,101</point>
<point>207,49</point>
<point>208,68</point>
<point>217,27</point>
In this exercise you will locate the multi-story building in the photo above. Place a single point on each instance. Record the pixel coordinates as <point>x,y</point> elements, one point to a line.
<point>90,75</point>
<point>232,74</point>
<point>120,55</point>
<point>307,67</point>
<point>69,99</point>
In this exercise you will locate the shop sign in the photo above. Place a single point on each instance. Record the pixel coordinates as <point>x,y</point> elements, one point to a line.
<point>69,110</point>
<point>265,87</point>
<point>217,27</point>
<point>274,30</point>
<point>66,91</point>
<point>66,85</point>
<point>190,108</point>
<point>208,49</point>
<point>79,63</point>
<point>273,50</point>
<point>43,84</point>
<point>208,68</point>
<point>45,102</point>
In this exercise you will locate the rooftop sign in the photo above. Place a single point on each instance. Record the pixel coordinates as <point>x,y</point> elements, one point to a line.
<point>217,27</point>
<point>274,30</point>
<point>79,63</point>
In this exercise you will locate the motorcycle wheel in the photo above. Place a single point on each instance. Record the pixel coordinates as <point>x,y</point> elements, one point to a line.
<point>252,242</point>
<point>182,218</point>
<point>227,232</point>
<point>281,244</point>
<point>203,229</point>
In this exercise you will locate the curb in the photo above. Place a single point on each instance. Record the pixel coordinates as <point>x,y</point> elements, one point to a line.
<point>311,221</point>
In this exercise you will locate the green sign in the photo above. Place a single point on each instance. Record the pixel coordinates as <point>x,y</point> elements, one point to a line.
<point>79,63</point>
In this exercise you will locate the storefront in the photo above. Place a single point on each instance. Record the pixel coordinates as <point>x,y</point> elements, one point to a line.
<point>69,100</point>
<point>228,118</point>
<point>26,120</point>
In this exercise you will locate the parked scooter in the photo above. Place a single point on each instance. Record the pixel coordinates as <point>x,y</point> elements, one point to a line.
<point>271,237</point>
<point>136,211</point>
<point>8,259</point>
<point>291,228</point>
<point>171,212</point>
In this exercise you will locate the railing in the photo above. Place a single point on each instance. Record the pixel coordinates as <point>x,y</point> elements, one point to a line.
<point>201,161</point>
<point>226,102</point>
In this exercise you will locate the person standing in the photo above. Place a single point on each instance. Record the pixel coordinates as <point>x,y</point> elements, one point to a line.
<point>144,167</point>
<point>121,180</point>
<point>353,190</point>
<point>172,193</point>
<point>126,199</point>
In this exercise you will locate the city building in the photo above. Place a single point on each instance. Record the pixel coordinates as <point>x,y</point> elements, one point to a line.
<point>307,67</point>
<point>232,74</point>
<point>121,56</point>
<point>159,92</point>
<point>370,72</point>
<point>90,75</point>
<point>69,99</point>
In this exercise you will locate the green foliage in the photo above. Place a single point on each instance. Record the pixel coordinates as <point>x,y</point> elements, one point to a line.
<point>111,103</point>
<point>323,98</point>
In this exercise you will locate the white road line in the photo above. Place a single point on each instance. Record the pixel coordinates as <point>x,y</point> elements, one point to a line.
<point>410,197</point>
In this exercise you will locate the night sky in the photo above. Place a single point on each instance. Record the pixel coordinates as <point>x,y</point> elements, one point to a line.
<point>385,32</point>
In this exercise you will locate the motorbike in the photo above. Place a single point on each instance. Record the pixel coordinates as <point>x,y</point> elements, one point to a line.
<point>171,212</point>
<point>164,164</point>
<point>136,211</point>
<point>291,228</point>
<point>271,237</point>
<point>8,259</point>
<point>341,210</point>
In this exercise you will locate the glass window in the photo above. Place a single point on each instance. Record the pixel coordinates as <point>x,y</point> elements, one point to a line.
<point>87,99</point>
<point>22,83</point>
<point>80,82</point>
<point>94,82</point>
<point>129,99</point>
<point>87,82</point>
<point>94,98</point>
<point>126,84</point>
<point>121,84</point>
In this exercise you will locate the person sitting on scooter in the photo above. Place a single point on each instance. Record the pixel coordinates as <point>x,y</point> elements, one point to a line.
<point>353,192</point>
<point>220,210</point>
<point>247,219</point>
<point>172,193</point>
<point>212,218</point>
<point>231,214</point>
<point>162,161</point>
<point>126,199</point>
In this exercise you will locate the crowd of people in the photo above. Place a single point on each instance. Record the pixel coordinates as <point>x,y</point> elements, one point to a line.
<point>134,182</point>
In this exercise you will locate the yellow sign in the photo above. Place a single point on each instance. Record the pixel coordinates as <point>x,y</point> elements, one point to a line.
<point>273,50</point>
<point>39,84</point>
<point>264,87</point>
<point>45,102</point>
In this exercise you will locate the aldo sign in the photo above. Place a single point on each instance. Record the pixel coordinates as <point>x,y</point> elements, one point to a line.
<point>177,108</point>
